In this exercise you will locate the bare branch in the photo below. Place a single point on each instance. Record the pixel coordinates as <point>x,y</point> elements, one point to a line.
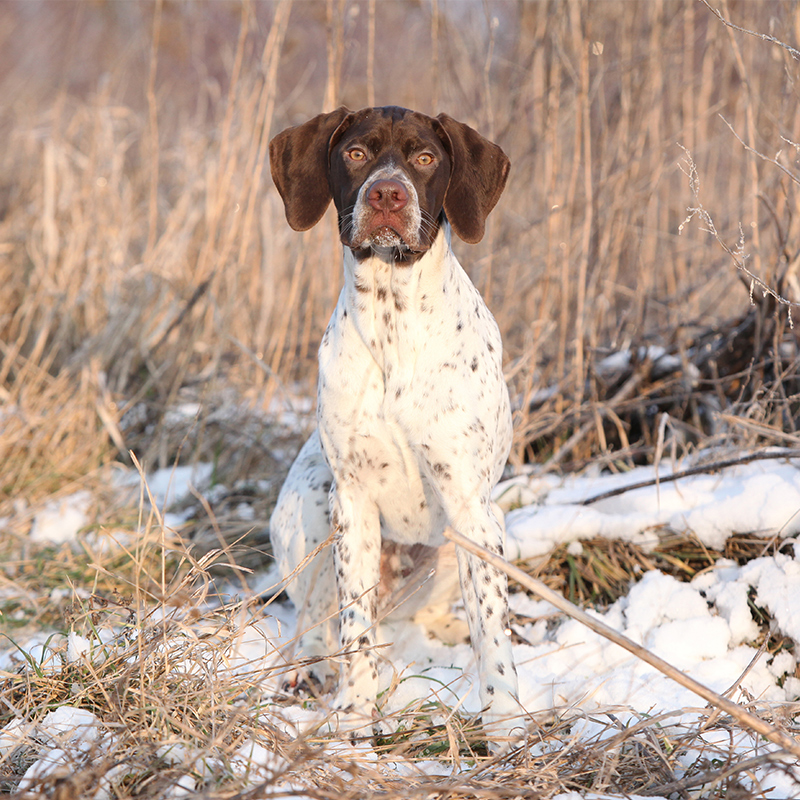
<point>795,54</point>
<point>755,152</point>
<point>738,255</point>
<point>714,466</point>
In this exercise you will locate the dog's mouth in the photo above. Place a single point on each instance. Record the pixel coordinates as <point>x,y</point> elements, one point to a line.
<point>385,236</point>
<point>385,232</point>
<point>382,236</point>
<point>397,231</point>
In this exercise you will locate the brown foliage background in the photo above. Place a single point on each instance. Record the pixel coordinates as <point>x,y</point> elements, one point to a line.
<point>144,256</point>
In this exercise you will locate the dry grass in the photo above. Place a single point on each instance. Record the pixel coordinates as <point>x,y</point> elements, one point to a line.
<point>178,709</point>
<point>172,677</point>
<point>605,569</point>
<point>145,254</point>
<point>147,267</point>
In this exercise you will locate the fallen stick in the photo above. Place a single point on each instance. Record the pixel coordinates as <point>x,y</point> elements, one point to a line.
<point>713,466</point>
<point>783,740</point>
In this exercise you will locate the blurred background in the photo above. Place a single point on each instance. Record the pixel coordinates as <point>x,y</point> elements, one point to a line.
<point>154,298</point>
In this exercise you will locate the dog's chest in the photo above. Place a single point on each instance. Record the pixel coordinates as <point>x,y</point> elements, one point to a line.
<point>408,366</point>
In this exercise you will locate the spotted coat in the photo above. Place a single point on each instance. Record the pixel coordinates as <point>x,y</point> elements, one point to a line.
<point>414,426</point>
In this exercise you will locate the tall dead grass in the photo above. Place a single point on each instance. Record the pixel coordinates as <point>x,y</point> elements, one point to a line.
<point>144,256</point>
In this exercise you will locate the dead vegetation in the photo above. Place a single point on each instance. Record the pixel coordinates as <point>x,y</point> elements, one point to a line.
<point>605,568</point>
<point>154,300</point>
<point>145,254</point>
<point>182,703</point>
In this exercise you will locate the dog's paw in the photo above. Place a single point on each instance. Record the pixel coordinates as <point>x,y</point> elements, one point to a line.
<point>314,680</point>
<point>299,685</point>
<point>448,628</point>
<point>384,727</point>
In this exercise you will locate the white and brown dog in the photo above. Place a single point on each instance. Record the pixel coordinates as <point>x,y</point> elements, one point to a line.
<point>414,426</point>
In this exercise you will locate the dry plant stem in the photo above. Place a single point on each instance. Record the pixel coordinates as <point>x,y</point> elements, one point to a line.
<point>766,37</point>
<point>755,723</point>
<point>711,777</point>
<point>752,165</point>
<point>152,107</point>
<point>738,256</point>
<point>584,123</point>
<point>226,162</point>
<point>712,718</point>
<point>686,473</point>
<point>434,54</point>
<point>334,43</point>
<point>759,429</point>
<point>266,109</point>
<point>774,161</point>
<point>371,53</point>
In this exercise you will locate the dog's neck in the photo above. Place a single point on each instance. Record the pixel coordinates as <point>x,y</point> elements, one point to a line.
<point>387,300</point>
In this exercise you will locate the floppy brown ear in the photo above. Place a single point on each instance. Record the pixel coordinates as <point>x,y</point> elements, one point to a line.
<point>478,176</point>
<point>298,160</point>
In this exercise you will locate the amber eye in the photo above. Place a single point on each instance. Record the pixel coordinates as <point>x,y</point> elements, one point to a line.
<point>356,154</point>
<point>425,160</point>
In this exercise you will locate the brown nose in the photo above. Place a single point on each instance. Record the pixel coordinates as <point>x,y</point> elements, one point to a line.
<point>387,195</point>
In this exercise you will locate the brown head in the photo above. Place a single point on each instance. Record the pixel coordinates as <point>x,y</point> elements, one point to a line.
<point>392,175</point>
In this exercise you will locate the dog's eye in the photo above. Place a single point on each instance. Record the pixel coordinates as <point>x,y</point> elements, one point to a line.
<point>425,160</point>
<point>356,154</point>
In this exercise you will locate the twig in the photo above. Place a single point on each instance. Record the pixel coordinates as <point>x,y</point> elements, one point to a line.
<point>738,256</point>
<point>789,174</point>
<point>710,777</point>
<point>686,473</point>
<point>795,54</point>
<point>712,718</point>
<point>188,306</point>
<point>742,715</point>
<point>759,428</point>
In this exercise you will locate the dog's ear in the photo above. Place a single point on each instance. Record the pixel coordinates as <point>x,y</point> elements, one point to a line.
<point>298,160</point>
<point>479,170</point>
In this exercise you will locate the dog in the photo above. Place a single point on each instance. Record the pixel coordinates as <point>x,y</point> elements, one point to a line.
<point>414,422</point>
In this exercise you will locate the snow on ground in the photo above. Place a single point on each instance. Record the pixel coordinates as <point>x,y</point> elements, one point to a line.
<point>704,627</point>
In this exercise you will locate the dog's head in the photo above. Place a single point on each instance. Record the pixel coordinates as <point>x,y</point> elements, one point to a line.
<point>391,173</point>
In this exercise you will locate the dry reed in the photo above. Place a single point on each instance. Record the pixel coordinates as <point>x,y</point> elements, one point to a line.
<point>145,254</point>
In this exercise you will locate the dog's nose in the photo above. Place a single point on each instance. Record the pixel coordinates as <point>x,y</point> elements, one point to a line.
<point>387,195</point>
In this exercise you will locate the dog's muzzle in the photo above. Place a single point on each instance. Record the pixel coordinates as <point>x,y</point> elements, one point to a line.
<point>386,215</point>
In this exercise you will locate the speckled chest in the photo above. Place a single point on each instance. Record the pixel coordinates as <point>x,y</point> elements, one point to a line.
<point>411,389</point>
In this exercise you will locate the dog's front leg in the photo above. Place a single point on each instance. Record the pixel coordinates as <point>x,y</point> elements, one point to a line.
<point>357,553</point>
<point>485,594</point>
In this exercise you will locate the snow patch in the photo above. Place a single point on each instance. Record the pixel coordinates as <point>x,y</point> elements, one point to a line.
<point>60,520</point>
